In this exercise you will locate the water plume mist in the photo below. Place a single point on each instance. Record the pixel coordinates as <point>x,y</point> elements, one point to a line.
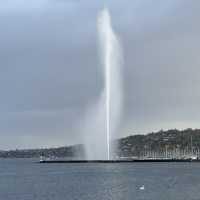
<point>102,120</point>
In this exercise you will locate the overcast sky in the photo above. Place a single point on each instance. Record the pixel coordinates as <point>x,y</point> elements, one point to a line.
<point>49,67</point>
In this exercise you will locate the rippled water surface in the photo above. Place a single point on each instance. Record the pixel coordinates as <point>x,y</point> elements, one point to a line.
<point>27,180</point>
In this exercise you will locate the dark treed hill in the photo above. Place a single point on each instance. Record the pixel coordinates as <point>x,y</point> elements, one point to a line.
<point>171,140</point>
<point>70,151</point>
<point>175,141</point>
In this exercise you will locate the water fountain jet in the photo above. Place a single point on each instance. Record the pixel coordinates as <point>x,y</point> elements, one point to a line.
<point>103,117</point>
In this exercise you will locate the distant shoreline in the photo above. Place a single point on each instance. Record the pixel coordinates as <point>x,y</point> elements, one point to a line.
<point>160,144</point>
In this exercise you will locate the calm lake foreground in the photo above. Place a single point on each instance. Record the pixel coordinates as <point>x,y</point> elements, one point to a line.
<point>24,179</point>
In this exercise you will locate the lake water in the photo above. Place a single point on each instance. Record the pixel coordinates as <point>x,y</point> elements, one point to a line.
<point>26,180</point>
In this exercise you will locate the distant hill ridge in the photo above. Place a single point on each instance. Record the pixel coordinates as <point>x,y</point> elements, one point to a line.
<point>176,141</point>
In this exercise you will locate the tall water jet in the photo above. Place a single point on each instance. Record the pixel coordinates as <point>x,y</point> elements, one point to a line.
<point>103,118</point>
<point>111,57</point>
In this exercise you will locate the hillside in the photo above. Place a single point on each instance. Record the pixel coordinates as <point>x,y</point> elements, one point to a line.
<point>161,143</point>
<point>70,151</point>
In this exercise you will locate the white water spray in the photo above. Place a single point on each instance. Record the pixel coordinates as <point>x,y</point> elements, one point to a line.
<point>103,119</point>
<point>111,56</point>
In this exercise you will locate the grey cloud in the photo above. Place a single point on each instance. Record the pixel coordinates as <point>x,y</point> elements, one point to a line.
<point>50,71</point>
